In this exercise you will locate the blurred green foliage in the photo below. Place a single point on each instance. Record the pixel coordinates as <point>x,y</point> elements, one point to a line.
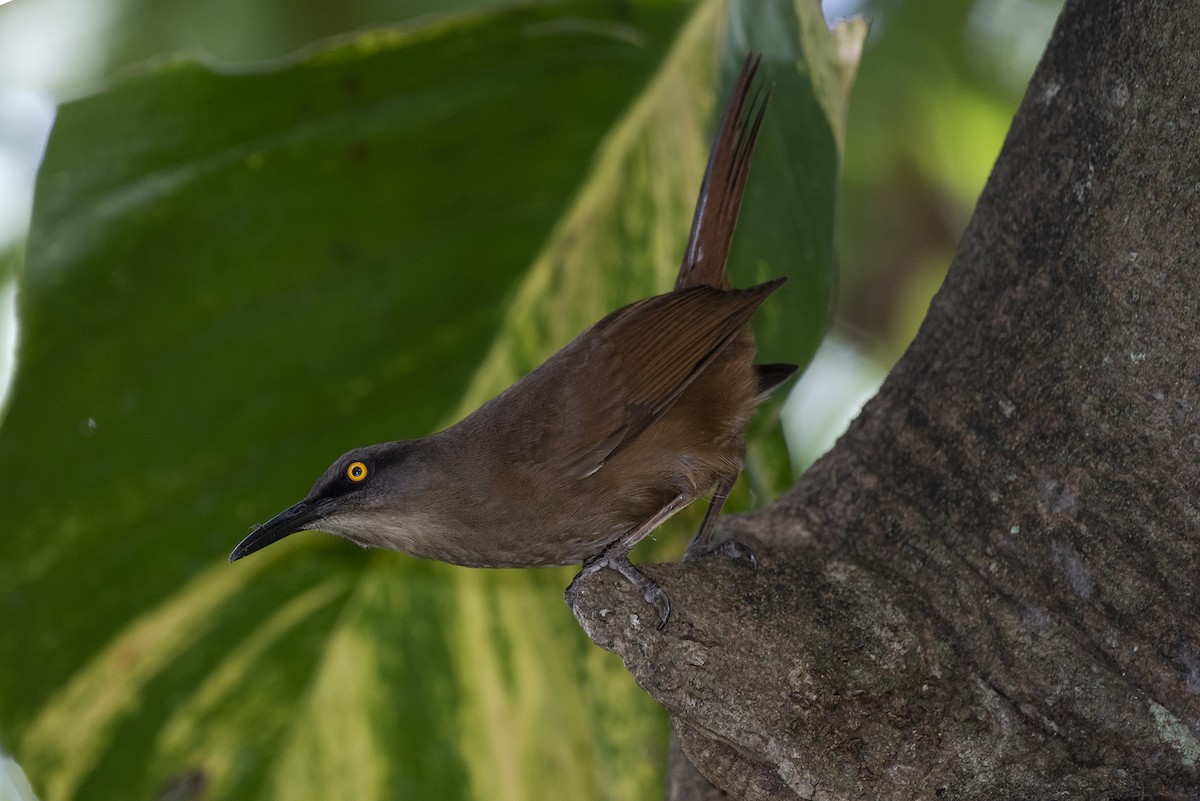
<point>234,275</point>
<point>936,89</point>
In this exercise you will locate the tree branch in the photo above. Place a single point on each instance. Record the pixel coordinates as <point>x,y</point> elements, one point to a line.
<point>987,588</point>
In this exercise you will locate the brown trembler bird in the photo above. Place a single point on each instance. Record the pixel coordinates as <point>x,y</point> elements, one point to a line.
<point>637,417</point>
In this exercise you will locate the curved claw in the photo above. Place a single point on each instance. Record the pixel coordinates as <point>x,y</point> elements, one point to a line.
<point>656,597</point>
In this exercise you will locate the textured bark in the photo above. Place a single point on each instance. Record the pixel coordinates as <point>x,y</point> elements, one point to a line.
<point>988,588</point>
<point>684,782</point>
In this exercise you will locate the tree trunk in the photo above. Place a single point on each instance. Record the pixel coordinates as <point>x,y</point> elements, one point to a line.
<point>988,588</point>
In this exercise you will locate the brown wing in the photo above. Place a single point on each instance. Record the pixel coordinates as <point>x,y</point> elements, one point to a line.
<point>630,368</point>
<point>724,184</point>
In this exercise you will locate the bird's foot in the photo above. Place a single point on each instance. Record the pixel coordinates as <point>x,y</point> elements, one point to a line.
<point>651,592</point>
<point>730,549</point>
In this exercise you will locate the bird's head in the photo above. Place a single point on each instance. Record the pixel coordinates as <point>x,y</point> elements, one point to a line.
<point>363,497</point>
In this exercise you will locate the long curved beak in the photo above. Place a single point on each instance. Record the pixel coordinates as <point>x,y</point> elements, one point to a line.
<point>289,521</point>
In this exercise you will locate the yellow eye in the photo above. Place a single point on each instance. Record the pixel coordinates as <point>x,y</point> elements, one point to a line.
<point>357,471</point>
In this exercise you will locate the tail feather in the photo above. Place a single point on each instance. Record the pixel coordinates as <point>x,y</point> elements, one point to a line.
<point>720,200</point>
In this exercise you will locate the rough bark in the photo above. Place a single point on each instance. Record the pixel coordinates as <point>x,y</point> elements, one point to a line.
<point>988,588</point>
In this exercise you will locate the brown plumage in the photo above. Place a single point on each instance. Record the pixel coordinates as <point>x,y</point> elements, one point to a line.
<point>638,416</point>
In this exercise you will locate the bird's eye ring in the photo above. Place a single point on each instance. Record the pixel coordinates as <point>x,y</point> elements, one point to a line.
<point>357,471</point>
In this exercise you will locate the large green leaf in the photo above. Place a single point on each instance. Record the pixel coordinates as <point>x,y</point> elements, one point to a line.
<point>232,278</point>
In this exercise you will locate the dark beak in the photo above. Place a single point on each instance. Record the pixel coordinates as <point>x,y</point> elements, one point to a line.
<point>289,521</point>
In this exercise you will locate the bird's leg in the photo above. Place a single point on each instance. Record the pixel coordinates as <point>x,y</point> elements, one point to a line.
<point>702,544</point>
<point>616,557</point>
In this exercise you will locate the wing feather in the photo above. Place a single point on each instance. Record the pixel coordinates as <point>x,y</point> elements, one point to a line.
<point>639,361</point>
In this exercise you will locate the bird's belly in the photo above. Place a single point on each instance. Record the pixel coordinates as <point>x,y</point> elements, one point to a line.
<point>530,541</point>
<point>538,521</point>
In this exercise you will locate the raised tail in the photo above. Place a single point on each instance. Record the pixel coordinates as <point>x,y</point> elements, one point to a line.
<point>724,184</point>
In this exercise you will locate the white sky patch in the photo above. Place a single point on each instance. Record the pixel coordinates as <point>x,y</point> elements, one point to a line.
<point>25,119</point>
<point>842,9</point>
<point>49,50</point>
<point>827,397</point>
<point>8,339</point>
